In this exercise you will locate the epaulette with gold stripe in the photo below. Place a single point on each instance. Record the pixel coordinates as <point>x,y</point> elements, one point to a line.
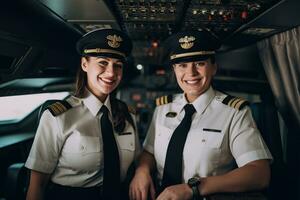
<point>131,109</point>
<point>235,102</point>
<point>59,107</point>
<point>164,100</point>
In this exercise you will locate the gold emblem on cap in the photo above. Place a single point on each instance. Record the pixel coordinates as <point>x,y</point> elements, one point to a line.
<point>114,41</point>
<point>187,42</point>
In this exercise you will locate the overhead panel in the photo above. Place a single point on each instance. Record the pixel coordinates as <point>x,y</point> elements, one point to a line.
<point>88,14</point>
<point>275,21</point>
<point>154,20</point>
<point>150,19</point>
<point>223,17</point>
<point>150,22</point>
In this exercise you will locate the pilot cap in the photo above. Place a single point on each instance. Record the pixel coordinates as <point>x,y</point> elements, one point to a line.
<point>190,46</point>
<point>105,42</point>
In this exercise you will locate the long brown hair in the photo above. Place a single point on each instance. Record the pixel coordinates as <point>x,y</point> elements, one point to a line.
<point>81,81</point>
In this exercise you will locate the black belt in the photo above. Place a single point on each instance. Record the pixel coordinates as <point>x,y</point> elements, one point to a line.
<point>57,191</point>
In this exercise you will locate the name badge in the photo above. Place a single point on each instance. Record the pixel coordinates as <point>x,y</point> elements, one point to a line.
<point>125,133</point>
<point>212,130</point>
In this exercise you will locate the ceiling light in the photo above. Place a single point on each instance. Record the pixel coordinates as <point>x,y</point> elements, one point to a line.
<point>154,44</point>
<point>139,66</point>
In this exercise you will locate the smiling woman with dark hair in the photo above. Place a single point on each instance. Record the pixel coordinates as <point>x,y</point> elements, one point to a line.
<point>85,144</point>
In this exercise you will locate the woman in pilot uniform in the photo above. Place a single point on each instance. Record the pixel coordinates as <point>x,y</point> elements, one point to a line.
<point>85,144</point>
<point>200,142</point>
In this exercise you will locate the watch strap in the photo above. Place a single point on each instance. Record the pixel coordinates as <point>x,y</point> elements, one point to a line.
<point>196,194</point>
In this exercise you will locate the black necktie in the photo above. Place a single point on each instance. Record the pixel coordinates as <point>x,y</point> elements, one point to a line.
<point>111,178</point>
<point>173,164</point>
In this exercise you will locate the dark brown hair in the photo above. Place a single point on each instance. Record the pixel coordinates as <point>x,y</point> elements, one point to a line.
<point>81,81</point>
<point>120,114</point>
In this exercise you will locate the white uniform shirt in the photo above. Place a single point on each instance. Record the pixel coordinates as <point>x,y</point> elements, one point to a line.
<point>219,137</point>
<point>69,146</point>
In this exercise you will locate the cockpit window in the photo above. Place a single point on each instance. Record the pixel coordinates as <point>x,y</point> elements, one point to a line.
<point>15,108</point>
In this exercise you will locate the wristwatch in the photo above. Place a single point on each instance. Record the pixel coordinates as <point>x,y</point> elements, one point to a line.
<point>194,183</point>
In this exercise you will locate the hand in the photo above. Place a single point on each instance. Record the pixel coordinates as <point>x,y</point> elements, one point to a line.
<point>140,186</point>
<point>176,192</point>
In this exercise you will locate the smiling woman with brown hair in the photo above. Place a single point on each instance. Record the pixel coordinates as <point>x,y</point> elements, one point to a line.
<point>85,144</point>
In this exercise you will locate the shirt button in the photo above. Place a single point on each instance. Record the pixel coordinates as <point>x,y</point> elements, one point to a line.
<point>131,144</point>
<point>82,148</point>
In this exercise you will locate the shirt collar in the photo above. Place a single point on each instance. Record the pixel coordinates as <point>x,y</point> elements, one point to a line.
<point>200,103</point>
<point>94,104</point>
<point>180,102</point>
<point>203,100</point>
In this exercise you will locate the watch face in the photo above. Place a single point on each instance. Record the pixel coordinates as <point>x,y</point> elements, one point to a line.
<point>193,181</point>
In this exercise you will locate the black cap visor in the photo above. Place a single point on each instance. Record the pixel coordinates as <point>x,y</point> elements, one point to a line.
<point>109,55</point>
<point>190,59</point>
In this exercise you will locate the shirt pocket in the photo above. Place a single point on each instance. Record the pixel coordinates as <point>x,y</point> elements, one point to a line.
<point>81,152</point>
<point>126,143</point>
<point>212,138</point>
<point>162,139</point>
<point>126,139</point>
<point>163,136</point>
<point>77,143</point>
